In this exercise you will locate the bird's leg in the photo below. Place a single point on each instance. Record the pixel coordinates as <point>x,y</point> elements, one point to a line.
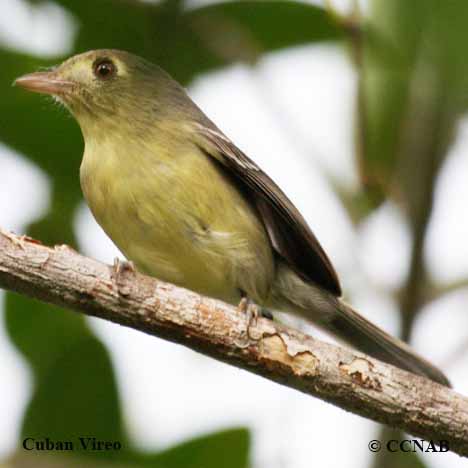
<point>251,311</point>
<point>18,241</point>
<point>118,269</point>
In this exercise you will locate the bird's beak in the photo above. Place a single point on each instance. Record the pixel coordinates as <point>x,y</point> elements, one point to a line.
<point>45,83</point>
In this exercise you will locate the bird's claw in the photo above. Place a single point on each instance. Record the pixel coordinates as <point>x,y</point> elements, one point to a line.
<point>118,269</point>
<point>18,241</point>
<point>252,312</point>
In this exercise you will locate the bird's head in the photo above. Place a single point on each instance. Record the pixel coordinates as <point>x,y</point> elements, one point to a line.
<point>109,88</point>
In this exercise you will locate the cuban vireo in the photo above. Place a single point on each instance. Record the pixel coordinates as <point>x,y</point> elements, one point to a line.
<point>183,203</point>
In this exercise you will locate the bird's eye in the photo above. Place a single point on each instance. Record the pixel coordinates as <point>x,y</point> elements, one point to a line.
<point>104,69</point>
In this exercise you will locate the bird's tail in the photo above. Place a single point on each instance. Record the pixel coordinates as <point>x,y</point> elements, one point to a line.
<point>369,338</point>
<point>336,317</point>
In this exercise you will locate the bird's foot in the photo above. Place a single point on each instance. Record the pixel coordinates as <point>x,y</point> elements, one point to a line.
<point>252,312</point>
<point>18,241</point>
<point>119,268</point>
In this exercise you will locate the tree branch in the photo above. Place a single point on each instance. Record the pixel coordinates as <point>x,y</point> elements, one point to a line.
<point>346,378</point>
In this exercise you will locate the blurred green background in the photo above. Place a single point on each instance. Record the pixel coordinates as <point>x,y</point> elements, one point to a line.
<point>410,71</point>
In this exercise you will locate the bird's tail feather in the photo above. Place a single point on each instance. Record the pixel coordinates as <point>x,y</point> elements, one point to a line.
<point>291,293</point>
<point>368,338</point>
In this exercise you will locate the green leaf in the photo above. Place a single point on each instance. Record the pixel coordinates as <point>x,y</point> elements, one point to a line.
<point>244,30</point>
<point>413,81</point>
<point>400,459</point>
<point>408,460</point>
<point>395,457</point>
<point>42,332</point>
<point>229,449</point>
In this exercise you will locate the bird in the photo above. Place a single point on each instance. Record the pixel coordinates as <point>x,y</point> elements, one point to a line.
<point>184,204</point>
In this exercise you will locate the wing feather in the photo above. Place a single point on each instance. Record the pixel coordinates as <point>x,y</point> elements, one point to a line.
<point>289,233</point>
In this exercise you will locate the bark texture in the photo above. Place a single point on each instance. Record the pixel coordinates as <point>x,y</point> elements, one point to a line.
<point>346,378</point>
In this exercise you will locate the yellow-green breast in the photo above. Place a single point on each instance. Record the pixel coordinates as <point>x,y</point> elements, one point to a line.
<point>177,216</point>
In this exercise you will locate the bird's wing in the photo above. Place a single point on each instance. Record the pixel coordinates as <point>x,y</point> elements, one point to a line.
<point>289,234</point>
